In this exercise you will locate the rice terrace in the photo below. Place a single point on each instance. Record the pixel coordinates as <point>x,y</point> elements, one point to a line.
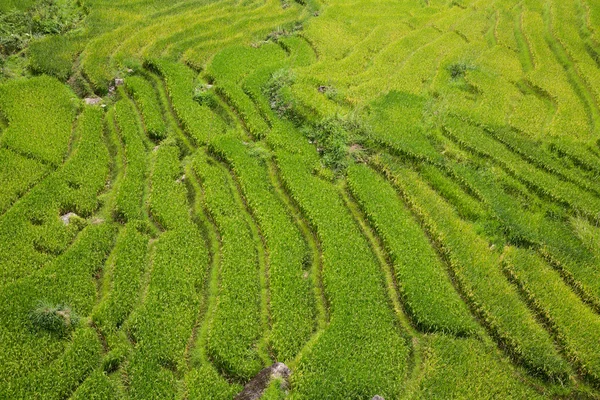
<point>309,199</point>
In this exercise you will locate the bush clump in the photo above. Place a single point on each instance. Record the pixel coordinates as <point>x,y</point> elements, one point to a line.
<point>459,69</point>
<point>277,91</point>
<point>46,17</point>
<point>56,318</point>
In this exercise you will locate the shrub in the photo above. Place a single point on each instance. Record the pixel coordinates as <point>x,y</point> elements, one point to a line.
<point>458,69</point>
<point>57,318</point>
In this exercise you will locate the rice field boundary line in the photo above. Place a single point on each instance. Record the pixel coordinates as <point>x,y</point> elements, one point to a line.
<point>210,299</point>
<point>314,245</point>
<point>542,317</point>
<point>52,169</point>
<point>211,237</point>
<point>525,56</point>
<point>577,81</point>
<point>438,245</point>
<point>570,281</point>
<point>407,329</point>
<point>150,161</point>
<point>147,25</point>
<point>169,115</point>
<point>214,35</point>
<point>534,162</point>
<point>447,169</point>
<point>529,87</point>
<point>384,172</point>
<point>586,31</point>
<point>579,288</point>
<point>264,351</point>
<point>531,185</point>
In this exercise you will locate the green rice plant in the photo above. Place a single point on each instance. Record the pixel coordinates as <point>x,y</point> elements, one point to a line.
<point>245,108</point>
<point>17,176</point>
<point>570,118</point>
<point>85,175</point>
<point>361,351</point>
<point>31,232</point>
<point>526,220</point>
<point>395,121</point>
<point>469,369</point>
<point>292,308</point>
<point>227,76</point>
<point>168,201</point>
<point>576,326</point>
<point>35,360</point>
<point>466,205</point>
<point>61,377</point>
<point>55,55</point>
<point>476,268</point>
<point>198,121</point>
<point>222,69</point>
<point>205,383</point>
<point>475,139</point>
<point>235,327</point>
<point>254,85</point>
<point>147,101</point>
<point>40,114</point>
<point>130,191</point>
<point>416,264</point>
<point>123,279</point>
<point>97,386</point>
<point>162,325</point>
<point>544,159</point>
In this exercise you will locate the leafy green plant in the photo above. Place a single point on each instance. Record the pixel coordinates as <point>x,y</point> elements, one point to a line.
<point>280,101</point>
<point>46,17</point>
<point>56,318</point>
<point>459,69</point>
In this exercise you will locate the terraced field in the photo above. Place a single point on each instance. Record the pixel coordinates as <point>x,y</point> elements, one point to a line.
<point>395,198</point>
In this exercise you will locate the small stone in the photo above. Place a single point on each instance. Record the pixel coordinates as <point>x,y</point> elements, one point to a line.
<point>66,219</point>
<point>92,100</point>
<point>322,89</point>
<point>255,388</point>
<point>377,397</point>
<point>119,81</point>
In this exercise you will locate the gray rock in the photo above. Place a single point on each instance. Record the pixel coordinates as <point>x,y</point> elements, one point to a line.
<point>92,100</point>
<point>119,81</point>
<point>66,219</point>
<point>377,397</point>
<point>255,388</point>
